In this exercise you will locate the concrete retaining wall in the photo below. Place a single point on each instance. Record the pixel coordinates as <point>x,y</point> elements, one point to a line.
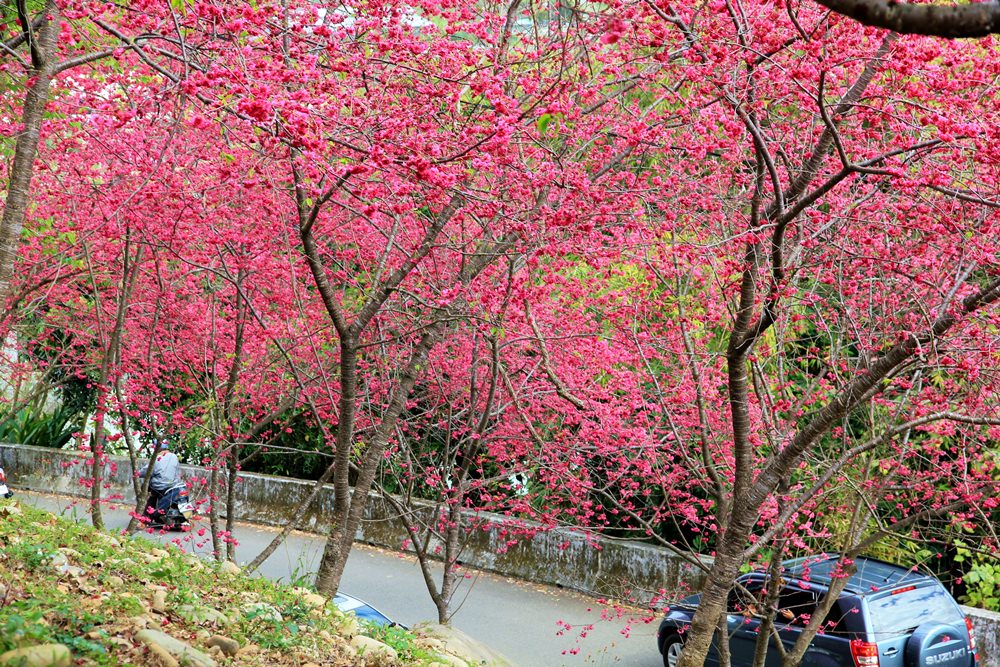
<point>606,568</point>
<point>987,626</point>
<point>603,567</point>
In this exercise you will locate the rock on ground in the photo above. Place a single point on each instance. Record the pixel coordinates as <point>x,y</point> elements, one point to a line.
<point>202,614</point>
<point>262,611</point>
<point>366,646</point>
<point>159,604</point>
<point>229,567</point>
<point>181,651</point>
<point>456,643</point>
<point>43,655</point>
<point>225,644</point>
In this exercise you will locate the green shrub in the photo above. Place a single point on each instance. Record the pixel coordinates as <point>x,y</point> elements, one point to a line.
<point>34,427</point>
<point>982,579</point>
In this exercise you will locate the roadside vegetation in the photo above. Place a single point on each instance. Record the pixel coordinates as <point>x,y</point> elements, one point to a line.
<point>70,594</point>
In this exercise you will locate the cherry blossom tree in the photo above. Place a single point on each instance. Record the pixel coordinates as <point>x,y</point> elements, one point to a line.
<point>444,166</point>
<point>839,176</point>
<point>718,276</point>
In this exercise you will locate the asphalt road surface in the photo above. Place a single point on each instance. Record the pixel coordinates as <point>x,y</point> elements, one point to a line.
<point>531,624</point>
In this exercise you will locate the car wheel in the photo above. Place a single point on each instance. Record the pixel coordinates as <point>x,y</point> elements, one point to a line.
<point>672,648</point>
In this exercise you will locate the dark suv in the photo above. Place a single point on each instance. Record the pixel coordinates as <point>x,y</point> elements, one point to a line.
<point>887,616</point>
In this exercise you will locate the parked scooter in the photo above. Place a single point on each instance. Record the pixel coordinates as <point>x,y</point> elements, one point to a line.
<point>169,510</point>
<point>5,492</point>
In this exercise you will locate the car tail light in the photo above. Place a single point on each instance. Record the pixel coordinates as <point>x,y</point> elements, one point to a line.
<point>972,638</point>
<point>865,654</point>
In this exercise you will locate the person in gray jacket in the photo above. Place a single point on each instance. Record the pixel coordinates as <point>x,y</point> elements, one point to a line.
<point>164,482</point>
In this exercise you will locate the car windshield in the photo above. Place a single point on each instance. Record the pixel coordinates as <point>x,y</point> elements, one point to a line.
<point>363,611</point>
<point>366,613</point>
<point>897,612</point>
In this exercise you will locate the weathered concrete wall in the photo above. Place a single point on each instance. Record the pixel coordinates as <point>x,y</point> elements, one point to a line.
<point>987,627</point>
<point>618,569</point>
<point>611,568</point>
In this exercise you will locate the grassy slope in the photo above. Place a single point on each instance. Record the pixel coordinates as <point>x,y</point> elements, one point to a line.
<point>63,582</point>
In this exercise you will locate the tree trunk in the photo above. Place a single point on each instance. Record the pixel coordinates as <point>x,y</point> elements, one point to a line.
<point>715,592</point>
<point>331,567</point>
<point>233,470</point>
<point>112,352</point>
<point>97,468</point>
<point>213,510</point>
<point>347,515</point>
<point>293,523</point>
<point>22,169</point>
<point>229,414</point>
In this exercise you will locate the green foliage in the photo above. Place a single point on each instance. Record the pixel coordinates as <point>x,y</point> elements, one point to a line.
<point>124,605</point>
<point>400,640</point>
<point>299,450</point>
<point>543,123</point>
<point>31,426</point>
<point>23,628</point>
<point>981,580</point>
<point>8,9</point>
<point>49,615</point>
<point>31,555</point>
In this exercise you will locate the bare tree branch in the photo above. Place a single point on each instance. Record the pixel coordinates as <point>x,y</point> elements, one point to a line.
<point>949,21</point>
<point>550,372</point>
<point>82,60</point>
<point>850,456</point>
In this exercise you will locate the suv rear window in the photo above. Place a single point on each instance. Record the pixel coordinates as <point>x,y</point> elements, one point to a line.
<point>897,613</point>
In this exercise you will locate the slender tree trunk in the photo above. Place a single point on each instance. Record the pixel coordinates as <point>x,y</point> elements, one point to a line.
<point>233,470</point>
<point>722,639</point>
<point>293,523</point>
<point>135,523</point>
<point>19,186</point>
<point>130,270</point>
<point>422,548</point>
<point>213,511</point>
<point>769,607</point>
<point>139,486</point>
<point>452,549</point>
<point>133,456</point>
<point>97,468</point>
<point>229,414</point>
<point>347,515</point>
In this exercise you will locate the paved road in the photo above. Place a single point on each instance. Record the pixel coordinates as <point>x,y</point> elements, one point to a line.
<point>521,620</point>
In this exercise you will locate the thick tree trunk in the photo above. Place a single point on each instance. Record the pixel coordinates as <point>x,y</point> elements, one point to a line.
<point>714,596</point>
<point>331,567</point>
<point>715,592</point>
<point>22,169</point>
<point>952,21</point>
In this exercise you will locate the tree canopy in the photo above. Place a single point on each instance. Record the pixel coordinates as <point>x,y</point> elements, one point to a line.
<point>712,275</point>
